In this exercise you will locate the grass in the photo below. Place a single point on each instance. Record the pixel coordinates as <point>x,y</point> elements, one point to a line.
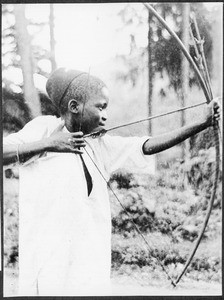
<point>10,281</point>
<point>133,284</point>
<point>167,214</point>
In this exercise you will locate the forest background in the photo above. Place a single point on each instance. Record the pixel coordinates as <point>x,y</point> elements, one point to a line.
<point>146,75</point>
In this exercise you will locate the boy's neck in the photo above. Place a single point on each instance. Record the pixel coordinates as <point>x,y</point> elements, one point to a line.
<point>70,124</point>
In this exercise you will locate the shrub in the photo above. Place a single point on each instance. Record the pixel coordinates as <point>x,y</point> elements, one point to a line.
<point>11,221</point>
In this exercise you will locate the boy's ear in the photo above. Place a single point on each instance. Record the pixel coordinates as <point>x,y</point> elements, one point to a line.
<point>73,106</point>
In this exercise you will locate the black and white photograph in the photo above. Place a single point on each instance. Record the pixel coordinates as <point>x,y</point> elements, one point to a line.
<point>112,149</point>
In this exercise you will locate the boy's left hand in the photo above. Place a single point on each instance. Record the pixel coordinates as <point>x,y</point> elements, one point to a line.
<point>213,111</point>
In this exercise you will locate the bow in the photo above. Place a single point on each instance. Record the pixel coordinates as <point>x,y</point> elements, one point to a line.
<point>208,96</point>
<point>216,135</point>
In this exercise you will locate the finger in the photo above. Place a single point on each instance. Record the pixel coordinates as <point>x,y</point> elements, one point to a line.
<point>217,112</point>
<point>217,117</point>
<point>76,151</point>
<point>77,134</point>
<point>77,140</point>
<point>75,143</point>
<point>216,104</point>
<point>79,145</point>
<point>216,109</point>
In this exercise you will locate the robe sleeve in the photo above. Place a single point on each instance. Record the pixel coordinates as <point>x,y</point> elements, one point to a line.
<point>127,153</point>
<point>35,130</point>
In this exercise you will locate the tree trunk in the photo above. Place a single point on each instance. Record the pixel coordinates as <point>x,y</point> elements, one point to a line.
<point>184,70</point>
<point>150,70</point>
<point>217,51</point>
<point>24,50</point>
<point>52,39</point>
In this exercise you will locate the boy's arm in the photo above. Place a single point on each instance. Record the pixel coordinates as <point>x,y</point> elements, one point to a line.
<point>22,152</point>
<point>170,139</point>
<point>57,142</point>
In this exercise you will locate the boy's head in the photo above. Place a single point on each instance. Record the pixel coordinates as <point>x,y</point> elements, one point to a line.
<point>77,94</point>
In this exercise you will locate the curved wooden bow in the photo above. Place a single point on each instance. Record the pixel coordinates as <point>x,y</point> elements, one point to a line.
<point>216,136</point>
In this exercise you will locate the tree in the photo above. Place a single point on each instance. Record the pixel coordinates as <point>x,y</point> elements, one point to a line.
<point>24,50</point>
<point>150,69</point>
<point>15,109</point>
<point>162,56</point>
<point>184,69</point>
<point>52,39</point>
<point>9,45</point>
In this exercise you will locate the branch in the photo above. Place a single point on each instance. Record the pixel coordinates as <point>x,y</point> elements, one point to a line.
<point>182,47</point>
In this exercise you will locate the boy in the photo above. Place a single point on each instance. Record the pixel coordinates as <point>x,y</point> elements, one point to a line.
<point>65,229</point>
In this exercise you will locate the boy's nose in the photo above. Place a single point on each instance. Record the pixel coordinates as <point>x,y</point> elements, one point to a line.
<point>104,116</point>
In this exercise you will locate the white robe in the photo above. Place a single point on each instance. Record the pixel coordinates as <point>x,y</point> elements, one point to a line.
<point>64,235</point>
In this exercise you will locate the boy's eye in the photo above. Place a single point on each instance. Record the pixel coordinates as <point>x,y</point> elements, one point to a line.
<point>101,106</point>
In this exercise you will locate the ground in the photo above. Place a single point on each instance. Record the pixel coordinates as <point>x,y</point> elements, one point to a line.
<point>125,285</point>
<point>132,271</point>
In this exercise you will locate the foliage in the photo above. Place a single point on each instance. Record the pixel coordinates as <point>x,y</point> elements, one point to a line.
<point>203,140</point>
<point>11,221</point>
<point>169,226</point>
<point>168,202</point>
<point>166,210</point>
<point>150,214</point>
<point>16,112</point>
<point>166,56</point>
<point>200,171</point>
<point>129,257</point>
<point>10,44</point>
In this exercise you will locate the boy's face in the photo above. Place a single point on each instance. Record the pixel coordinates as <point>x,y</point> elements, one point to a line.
<point>95,112</point>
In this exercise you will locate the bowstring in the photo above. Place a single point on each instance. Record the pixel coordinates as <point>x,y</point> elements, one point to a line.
<point>117,198</point>
<point>131,219</point>
<point>206,92</point>
<point>115,195</point>
<point>113,192</point>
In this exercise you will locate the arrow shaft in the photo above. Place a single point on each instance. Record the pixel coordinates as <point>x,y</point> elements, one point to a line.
<point>146,119</point>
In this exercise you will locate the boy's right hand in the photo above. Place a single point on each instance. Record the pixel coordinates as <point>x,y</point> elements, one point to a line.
<point>213,112</point>
<point>66,142</point>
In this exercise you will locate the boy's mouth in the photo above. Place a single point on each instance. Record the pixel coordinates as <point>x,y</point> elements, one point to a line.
<point>98,128</point>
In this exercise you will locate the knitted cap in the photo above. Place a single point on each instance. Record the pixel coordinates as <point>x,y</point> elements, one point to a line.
<point>59,82</point>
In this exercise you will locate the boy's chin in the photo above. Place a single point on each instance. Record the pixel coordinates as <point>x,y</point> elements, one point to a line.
<point>91,130</point>
<point>99,128</point>
<point>95,129</point>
